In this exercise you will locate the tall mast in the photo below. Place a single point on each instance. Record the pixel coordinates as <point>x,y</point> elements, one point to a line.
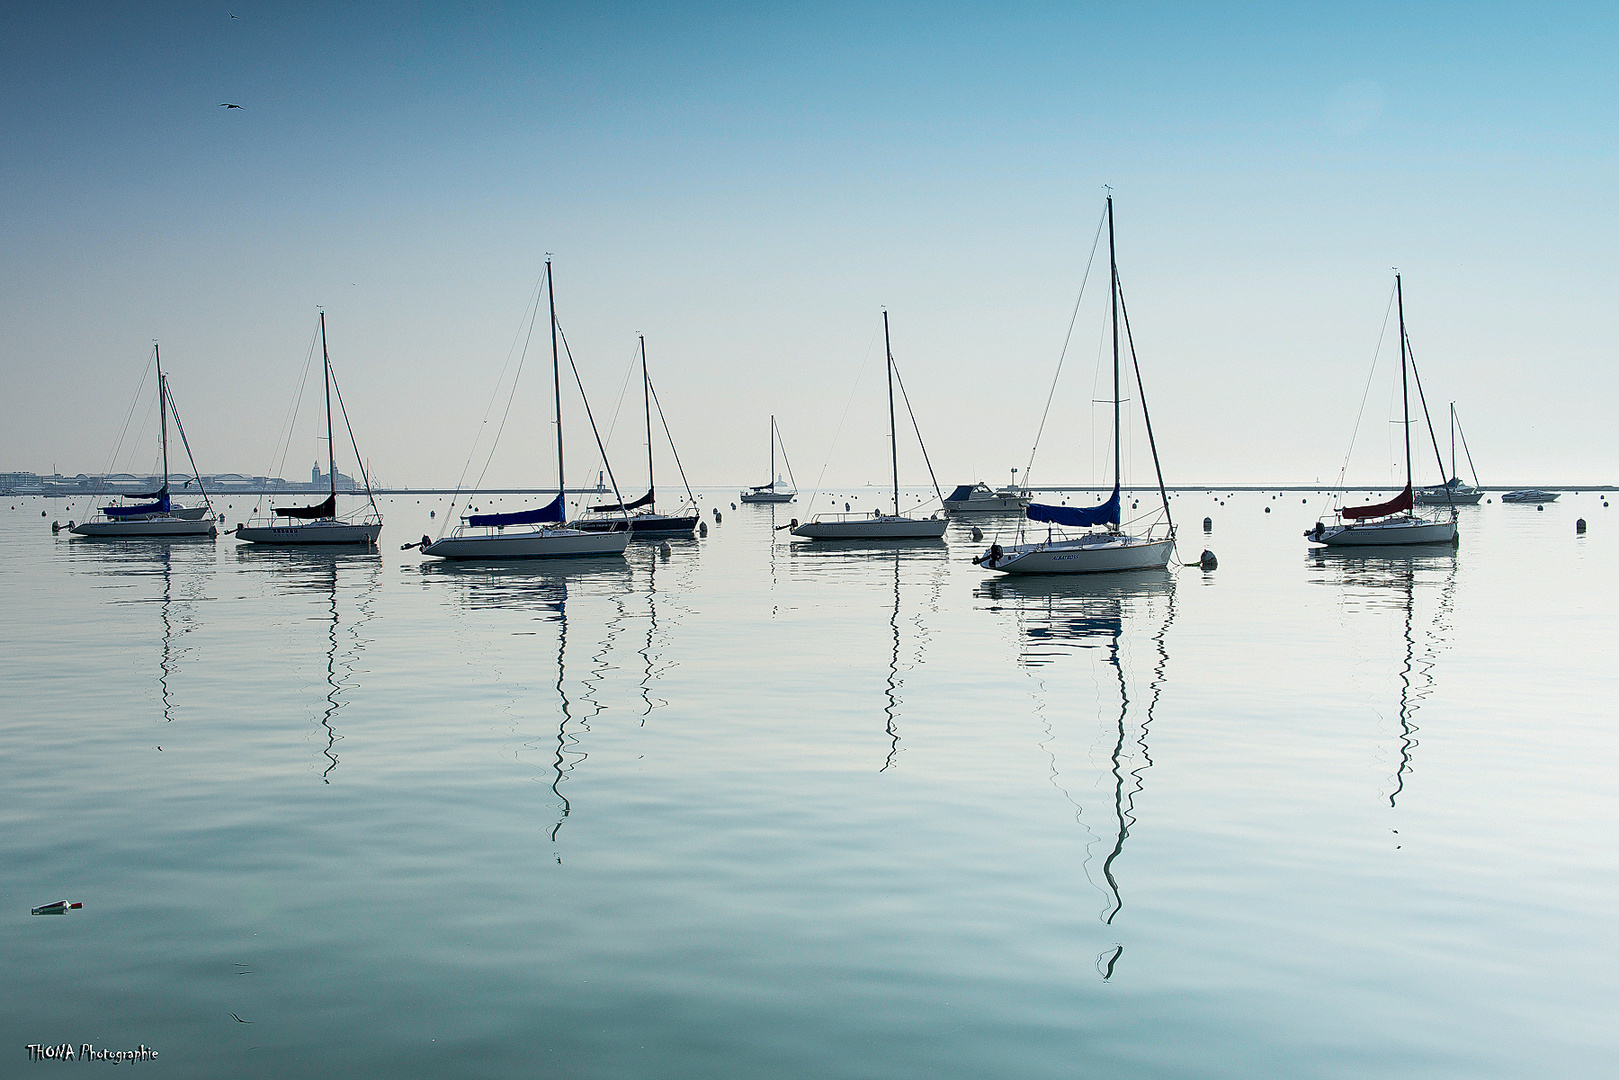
<point>893,439</point>
<point>331,446</point>
<point>1113,266</point>
<point>772,484</point>
<point>646,398</point>
<point>1453,440</point>
<point>162,412</point>
<point>556,375</point>
<point>1405,393</point>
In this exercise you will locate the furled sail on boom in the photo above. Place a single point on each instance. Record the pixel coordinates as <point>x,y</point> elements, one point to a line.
<point>1078,517</point>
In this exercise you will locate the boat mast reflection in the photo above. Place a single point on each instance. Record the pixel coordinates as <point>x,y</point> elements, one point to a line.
<point>1392,579</point>
<point>1057,619</point>
<point>312,570</point>
<point>546,589</point>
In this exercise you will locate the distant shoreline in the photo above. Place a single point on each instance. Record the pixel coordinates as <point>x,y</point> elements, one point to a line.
<point>1306,488</point>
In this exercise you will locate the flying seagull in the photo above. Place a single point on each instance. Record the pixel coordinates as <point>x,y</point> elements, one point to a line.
<point>228,105</point>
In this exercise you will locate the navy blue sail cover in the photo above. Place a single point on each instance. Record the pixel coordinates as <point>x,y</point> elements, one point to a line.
<point>159,507</point>
<point>961,494</point>
<point>552,511</point>
<point>1078,517</point>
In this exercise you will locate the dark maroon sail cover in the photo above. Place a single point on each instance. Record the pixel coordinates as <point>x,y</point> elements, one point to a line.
<point>1402,501</point>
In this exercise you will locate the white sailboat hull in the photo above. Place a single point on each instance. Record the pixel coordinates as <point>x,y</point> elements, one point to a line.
<point>880,528</point>
<point>312,532</point>
<point>531,544</point>
<point>992,504</point>
<point>1098,553</point>
<point>1392,532</point>
<point>147,527</point>
<point>1433,497</point>
<point>767,497</point>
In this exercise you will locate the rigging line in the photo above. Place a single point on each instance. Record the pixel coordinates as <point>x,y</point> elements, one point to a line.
<point>907,399</point>
<point>1052,393</point>
<point>599,447</point>
<point>517,377</point>
<point>783,448</point>
<point>1381,334</point>
<point>1141,390</point>
<point>1468,452</point>
<point>1423,398</point>
<point>358,460</point>
<point>612,425</point>
<point>130,415</point>
<point>530,313</point>
<point>284,440</point>
<point>835,434</point>
<point>665,421</point>
<point>195,475</point>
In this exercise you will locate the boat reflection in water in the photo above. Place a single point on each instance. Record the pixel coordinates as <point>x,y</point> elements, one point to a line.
<point>928,558</point>
<point>544,592</point>
<point>171,575</point>
<point>1408,581</point>
<point>340,581</point>
<point>1093,621</point>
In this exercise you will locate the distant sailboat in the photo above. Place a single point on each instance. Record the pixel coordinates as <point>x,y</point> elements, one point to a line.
<point>159,517</point>
<point>1453,492</point>
<point>541,533</point>
<point>319,524</point>
<point>645,521</point>
<point>772,492</point>
<point>877,526</point>
<point>1105,546</point>
<point>1395,521</point>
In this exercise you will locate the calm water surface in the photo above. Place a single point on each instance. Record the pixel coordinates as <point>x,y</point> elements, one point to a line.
<point>760,808</point>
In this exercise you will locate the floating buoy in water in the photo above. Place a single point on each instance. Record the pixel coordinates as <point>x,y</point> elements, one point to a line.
<point>1208,524</point>
<point>56,526</point>
<point>665,550</point>
<point>978,534</point>
<point>716,515</point>
<point>1579,526</point>
<point>42,513</point>
<point>1267,509</point>
<point>733,506</point>
<point>1207,560</point>
<point>702,528</point>
<point>1540,509</point>
<point>432,513</point>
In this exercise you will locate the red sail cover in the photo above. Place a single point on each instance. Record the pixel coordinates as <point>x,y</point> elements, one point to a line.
<point>1402,501</point>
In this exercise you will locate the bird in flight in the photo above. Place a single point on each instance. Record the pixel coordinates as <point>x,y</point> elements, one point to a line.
<point>228,105</point>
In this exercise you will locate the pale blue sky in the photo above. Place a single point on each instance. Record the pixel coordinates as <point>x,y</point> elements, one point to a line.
<point>749,186</point>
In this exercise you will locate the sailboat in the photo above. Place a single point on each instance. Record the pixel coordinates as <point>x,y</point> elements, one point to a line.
<point>319,524</point>
<point>1394,521</point>
<point>1105,546</point>
<point>1453,492</point>
<point>158,517</point>
<point>877,525</point>
<point>542,534</point>
<point>772,492</point>
<point>645,520</point>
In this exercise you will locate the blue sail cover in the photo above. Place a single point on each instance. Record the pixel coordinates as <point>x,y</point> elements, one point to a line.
<point>1078,517</point>
<point>962,493</point>
<point>141,510</point>
<point>550,512</point>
